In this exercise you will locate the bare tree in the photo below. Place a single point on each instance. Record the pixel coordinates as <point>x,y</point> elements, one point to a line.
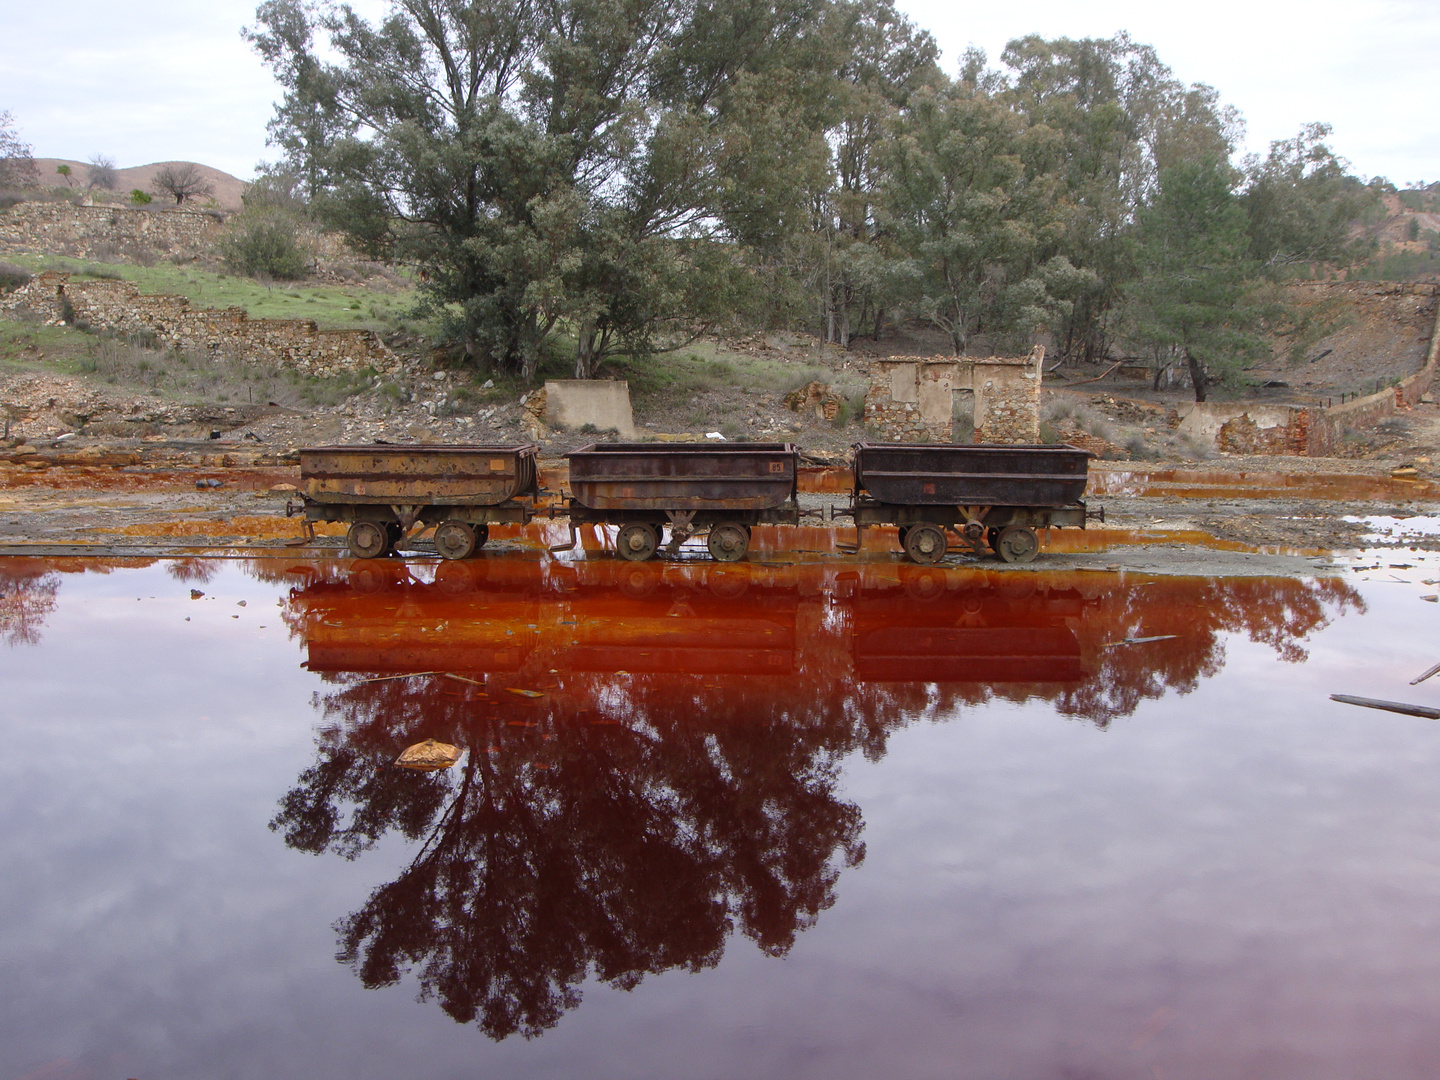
<point>17,160</point>
<point>182,182</point>
<point>102,173</point>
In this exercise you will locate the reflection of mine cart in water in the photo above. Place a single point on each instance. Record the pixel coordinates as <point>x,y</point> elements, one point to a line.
<point>382,491</point>
<point>984,493</point>
<point>723,490</point>
<point>943,629</point>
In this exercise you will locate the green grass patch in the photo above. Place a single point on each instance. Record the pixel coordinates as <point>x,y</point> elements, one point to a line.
<point>330,306</point>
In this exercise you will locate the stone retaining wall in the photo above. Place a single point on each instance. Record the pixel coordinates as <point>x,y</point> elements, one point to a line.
<point>120,307</point>
<point>90,232</point>
<point>1312,431</point>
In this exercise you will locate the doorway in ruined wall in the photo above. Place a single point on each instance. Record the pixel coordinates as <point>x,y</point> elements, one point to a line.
<point>962,412</point>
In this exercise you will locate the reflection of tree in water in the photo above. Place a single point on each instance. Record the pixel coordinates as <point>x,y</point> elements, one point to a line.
<point>28,591</point>
<point>201,570</point>
<point>618,849</point>
<point>631,820</point>
<point>1278,612</point>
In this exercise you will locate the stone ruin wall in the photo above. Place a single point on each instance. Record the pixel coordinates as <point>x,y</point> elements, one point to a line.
<point>911,398</point>
<point>1007,398</point>
<point>905,398</point>
<point>118,306</point>
<point>97,232</point>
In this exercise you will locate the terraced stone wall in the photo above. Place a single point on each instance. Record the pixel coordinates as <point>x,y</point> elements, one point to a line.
<point>120,307</point>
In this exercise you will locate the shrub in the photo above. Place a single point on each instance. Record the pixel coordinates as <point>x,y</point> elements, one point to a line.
<point>141,198</point>
<point>264,242</point>
<point>12,276</point>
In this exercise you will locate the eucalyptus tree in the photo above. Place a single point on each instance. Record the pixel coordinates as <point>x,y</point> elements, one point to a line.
<point>881,61</point>
<point>973,217</point>
<point>1194,292</point>
<point>1301,201</point>
<point>545,164</point>
<point>1122,117</point>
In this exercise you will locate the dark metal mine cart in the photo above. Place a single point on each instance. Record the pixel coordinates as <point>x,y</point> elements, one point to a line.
<point>984,493</point>
<point>722,489</point>
<point>384,490</point>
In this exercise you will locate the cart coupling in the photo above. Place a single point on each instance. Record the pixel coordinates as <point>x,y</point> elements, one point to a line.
<point>1095,515</point>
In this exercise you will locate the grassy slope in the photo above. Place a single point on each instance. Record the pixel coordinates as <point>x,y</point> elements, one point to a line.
<point>338,306</point>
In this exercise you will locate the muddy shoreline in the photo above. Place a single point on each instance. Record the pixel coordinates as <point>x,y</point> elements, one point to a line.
<point>1236,517</point>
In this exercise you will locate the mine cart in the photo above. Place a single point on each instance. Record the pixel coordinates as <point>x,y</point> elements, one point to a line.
<point>723,490</point>
<point>984,493</point>
<point>384,490</point>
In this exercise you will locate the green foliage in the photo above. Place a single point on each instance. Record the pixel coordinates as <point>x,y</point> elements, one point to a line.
<point>141,198</point>
<point>12,276</point>
<point>1300,202</point>
<point>1193,294</point>
<point>545,164</point>
<point>972,214</point>
<point>265,243</point>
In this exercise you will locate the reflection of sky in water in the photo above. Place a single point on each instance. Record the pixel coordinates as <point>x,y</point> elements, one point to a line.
<point>1393,528</point>
<point>1234,876</point>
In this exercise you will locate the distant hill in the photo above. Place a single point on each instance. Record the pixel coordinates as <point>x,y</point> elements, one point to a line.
<point>228,189</point>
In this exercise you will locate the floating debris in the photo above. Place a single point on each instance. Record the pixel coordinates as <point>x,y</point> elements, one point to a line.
<point>428,756</point>
<point>523,693</point>
<point>1389,706</point>
<point>1139,640</point>
<point>1428,673</point>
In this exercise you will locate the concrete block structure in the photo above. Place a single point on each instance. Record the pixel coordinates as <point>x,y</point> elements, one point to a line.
<point>602,404</point>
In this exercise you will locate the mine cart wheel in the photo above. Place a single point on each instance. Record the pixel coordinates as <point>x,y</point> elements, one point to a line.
<point>1017,543</point>
<point>925,543</point>
<point>367,539</point>
<point>455,539</point>
<point>637,541</point>
<point>482,534</point>
<point>728,542</point>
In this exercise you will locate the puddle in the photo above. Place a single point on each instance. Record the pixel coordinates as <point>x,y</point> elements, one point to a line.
<point>870,816</point>
<point>1216,484</point>
<point>1398,530</point>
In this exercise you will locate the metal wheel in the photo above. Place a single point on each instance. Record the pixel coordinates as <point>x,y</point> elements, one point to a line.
<point>482,533</point>
<point>728,542</point>
<point>1016,543</point>
<point>637,541</point>
<point>455,539</point>
<point>925,543</point>
<point>367,539</point>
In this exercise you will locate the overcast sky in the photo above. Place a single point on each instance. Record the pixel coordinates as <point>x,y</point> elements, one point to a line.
<point>84,77</point>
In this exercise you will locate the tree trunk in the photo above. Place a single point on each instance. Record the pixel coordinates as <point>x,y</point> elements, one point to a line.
<point>1197,375</point>
<point>585,352</point>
